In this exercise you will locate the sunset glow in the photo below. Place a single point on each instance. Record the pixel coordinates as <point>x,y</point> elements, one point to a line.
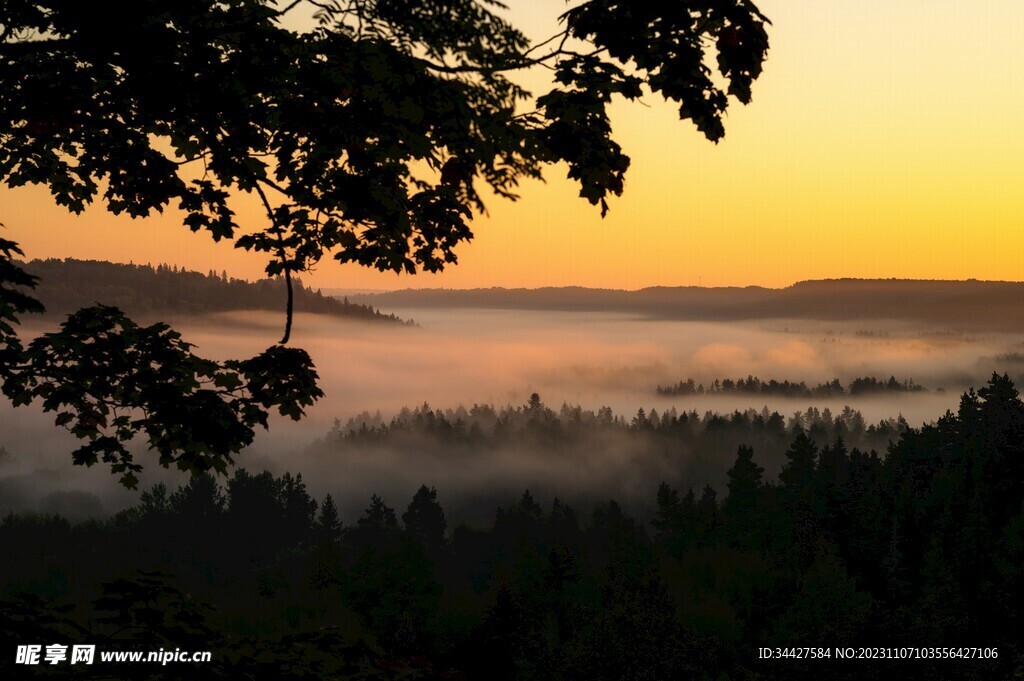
<point>883,141</point>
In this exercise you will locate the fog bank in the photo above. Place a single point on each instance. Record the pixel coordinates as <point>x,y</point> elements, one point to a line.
<point>501,357</point>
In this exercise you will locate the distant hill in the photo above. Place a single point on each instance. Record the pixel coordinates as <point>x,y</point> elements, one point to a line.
<point>971,304</point>
<point>67,285</point>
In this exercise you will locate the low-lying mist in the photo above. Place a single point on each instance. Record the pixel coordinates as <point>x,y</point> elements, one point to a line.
<point>501,357</point>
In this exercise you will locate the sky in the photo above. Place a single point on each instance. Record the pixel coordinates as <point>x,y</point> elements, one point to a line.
<point>883,140</point>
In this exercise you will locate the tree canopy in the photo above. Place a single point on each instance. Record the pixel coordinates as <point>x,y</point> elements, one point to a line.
<point>370,136</point>
<point>926,544</point>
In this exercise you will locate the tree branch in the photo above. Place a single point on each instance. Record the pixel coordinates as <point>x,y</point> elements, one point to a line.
<point>289,8</point>
<point>282,253</point>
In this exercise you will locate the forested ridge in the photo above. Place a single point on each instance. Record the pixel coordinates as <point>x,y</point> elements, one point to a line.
<point>963,305</point>
<point>922,545</point>
<point>752,385</point>
<point>69,284</point>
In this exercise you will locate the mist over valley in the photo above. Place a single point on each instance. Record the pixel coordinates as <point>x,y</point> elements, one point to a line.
<point>458,357</point>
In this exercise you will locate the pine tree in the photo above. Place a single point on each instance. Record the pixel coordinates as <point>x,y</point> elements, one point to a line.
<point>740,508</point>
<point>298,509</point>
<point>669,519</point>
<point>707,515</point>
<point>378,516</point>
<point>797,476</point>
<point>831,485</point>
<point>668,510</point>
<point>424,519</point>
<point>328,523</point>
<point>798,495</point>
<point>1001,458</point>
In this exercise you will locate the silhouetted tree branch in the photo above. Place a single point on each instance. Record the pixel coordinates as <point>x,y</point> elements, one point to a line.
<point>375,125</point>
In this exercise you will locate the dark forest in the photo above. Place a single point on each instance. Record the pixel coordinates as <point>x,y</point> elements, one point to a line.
<point>67,285</point>
<point>917,546</point>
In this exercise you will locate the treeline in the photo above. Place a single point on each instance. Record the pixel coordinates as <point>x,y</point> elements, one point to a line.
<point>921,547</point>
<point>953,305</point>
<point>67,285</point>
<point>752,385</point>
<point>699,446</point>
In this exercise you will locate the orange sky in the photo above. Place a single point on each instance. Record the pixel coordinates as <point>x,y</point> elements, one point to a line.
<point>884,140</point>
